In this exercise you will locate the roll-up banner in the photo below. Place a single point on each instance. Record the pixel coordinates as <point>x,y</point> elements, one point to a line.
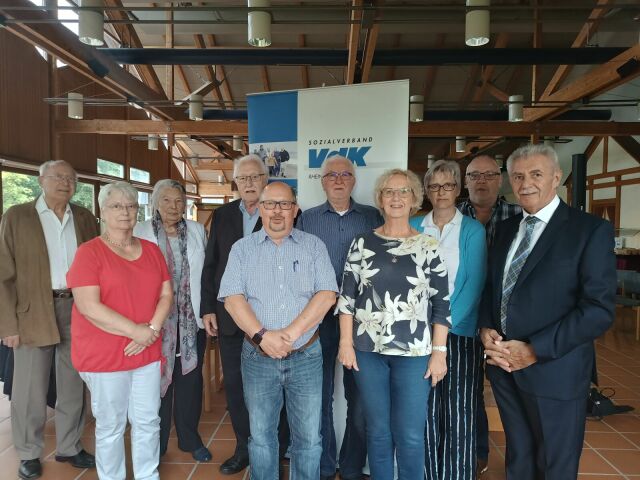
<point>295,131</point>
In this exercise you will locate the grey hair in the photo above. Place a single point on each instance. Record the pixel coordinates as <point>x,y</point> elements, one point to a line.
<point>325,164</point>
<point>123,187</point>
<point>161,185</point>
<point>414,184</point>
<point>443,166</point>
<point>249,158</point>
<point>54,163</point>
<point>532,150</point>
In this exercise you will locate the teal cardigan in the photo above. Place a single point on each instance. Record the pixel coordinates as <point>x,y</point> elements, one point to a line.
<point>470,278</point>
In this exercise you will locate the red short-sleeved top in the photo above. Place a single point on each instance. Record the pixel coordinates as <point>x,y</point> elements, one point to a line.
<point>131,288</point>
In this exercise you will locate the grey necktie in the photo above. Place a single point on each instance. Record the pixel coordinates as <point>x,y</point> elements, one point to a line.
<point>519,259</point>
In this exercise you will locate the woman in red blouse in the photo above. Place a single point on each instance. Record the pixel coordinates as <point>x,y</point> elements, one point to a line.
<point>122,296</point>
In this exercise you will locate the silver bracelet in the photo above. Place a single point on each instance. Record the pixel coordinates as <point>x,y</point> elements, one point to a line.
<point>439,348</point>
<point>153,328</point>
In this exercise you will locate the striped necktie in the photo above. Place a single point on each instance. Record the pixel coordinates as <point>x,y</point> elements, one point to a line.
<point>519,259</point>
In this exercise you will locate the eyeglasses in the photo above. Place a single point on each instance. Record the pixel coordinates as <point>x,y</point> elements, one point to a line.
<point>447,187</point>
<point>62,178</point>
<point>333,176</point>
<point>487,176</point>
<point>246,178</point>
<point>272,204</point>
<point>119,207</point>
<point>402,192</point>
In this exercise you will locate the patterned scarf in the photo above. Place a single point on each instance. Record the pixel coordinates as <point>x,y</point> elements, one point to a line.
<point>182,312</point>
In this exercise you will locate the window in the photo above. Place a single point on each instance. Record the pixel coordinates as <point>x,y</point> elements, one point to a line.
<point>84,196</point>
<point>144,212</point>
<point>137,175</point>
<point>105,167</point>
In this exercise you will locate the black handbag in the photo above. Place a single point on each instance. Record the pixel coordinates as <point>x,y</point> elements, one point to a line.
<point>599,404</point>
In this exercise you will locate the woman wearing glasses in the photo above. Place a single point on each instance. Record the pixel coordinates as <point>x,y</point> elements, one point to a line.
<point>451,418</point>
<point>394,292</point>
<point>123,294</point>
<point>182,243</point>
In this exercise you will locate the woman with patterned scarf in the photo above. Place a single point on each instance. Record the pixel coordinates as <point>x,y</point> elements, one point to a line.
<point>182,243</point>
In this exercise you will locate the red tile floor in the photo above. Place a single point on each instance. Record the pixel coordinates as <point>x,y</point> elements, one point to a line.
<point>611,448</point>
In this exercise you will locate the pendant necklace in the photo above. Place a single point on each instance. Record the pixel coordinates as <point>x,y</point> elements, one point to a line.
<point>116,244</point>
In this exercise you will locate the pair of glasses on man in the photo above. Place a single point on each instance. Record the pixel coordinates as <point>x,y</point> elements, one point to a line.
<point>272,204</point>
<point>436,187</point>
<point>404,192</point>
<point>119,207</point>
<point>246,178</point>
<point>62,178</point>
<point>487,176</point>
<point>333,176</point>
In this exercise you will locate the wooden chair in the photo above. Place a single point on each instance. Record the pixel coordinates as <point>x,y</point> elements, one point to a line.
<point>211,371</point>
<point>629,294</point>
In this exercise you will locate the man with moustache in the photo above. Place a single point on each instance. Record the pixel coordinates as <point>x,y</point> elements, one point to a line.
<point>549,294</point>
<point>38,241</point>
<point>336,222</point>
<point>483,180</point>
<point>278,286</point>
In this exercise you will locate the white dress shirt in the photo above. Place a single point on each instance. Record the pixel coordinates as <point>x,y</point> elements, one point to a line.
<point>449,243</point>
<point>61,241</point>
<point>544,215</point>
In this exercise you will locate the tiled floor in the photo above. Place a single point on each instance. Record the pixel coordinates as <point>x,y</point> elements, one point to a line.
<point>611,448</point>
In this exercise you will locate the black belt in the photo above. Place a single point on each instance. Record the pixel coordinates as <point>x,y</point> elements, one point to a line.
<point>313,338</point>
<point>62,293</point>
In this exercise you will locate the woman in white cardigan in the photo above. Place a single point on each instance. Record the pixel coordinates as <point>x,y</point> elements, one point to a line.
<point>182,243</point>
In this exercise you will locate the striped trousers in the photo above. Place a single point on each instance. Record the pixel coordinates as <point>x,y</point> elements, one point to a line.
<point>450,433</point>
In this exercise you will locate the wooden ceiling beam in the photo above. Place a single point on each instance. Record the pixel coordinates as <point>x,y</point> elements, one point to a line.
<point>496,93</point>
<point>618,70</point>
<point>221,76</point>
<point>432,71</point>
<point>589,28</point>
<point>304,69</point>
<point>629,145</point>
<point>183,79</point>
<point>353,42</point>
<point>211,75</point>
<point>264,73</point>
<point>487,70</point>
<point>443,129</point>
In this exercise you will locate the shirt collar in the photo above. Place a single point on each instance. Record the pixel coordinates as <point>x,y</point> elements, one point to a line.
<point>353,205</point>
<point>428,219</point>
<point>41,206</point>
<point>244,210</point>
<point>262,235</point>
<point>544,213</point>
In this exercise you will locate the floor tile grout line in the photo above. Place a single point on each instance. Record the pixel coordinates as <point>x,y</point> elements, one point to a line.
<point>611,464</point>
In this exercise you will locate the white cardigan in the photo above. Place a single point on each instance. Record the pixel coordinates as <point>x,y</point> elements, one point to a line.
<point>196,242</point>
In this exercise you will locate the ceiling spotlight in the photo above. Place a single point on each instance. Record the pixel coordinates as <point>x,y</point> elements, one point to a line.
<point>259,24</point>
<point>152,142</point>
<point>477,23</point>
<point>516,109</point>
<point>461,144</point>
<point>416,108</point>
<point>91,23</point>
<point>238,143</point>
<point>75,105</point>
<point>195,107</point>
<point>431,159</point>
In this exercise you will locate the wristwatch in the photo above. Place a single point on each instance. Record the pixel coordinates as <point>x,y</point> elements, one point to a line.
<point>257,338</point>
<point>439,348</point>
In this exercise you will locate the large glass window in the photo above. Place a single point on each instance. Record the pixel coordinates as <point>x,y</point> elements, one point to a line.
<point>105,167</point>
<point>137,175</point>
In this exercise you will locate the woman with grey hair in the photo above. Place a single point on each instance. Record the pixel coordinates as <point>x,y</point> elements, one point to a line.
<point>182,243</point>
<point>450,436</point>
<point>122,297</point>
<point>394,312</point>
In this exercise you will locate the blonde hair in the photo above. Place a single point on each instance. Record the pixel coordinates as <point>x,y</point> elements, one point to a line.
<point>414,184</point>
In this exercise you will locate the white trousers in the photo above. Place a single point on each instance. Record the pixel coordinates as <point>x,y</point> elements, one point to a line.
<point>114,397</point>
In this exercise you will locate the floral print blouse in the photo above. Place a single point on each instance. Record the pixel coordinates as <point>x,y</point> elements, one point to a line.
<point>394,288</point>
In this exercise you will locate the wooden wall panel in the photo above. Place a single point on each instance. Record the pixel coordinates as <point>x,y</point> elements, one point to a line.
<point>24,117</point>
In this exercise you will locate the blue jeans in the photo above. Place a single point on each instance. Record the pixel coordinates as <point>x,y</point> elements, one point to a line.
<point>353,452</point>
<point>299,379</point>
<point>394,394</point>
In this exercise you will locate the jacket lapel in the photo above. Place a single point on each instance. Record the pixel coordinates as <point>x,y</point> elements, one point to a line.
<point>545,241</point>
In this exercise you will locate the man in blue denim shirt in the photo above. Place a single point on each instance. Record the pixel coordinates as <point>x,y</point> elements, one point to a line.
<point>277,287</point>
<point>336,222</point>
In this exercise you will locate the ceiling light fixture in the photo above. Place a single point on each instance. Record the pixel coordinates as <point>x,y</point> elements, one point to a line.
<point>461,144</point>
<point>75,105</point>
<point>516,108</point>
<point>416,108</point>
<point>431,159</point>
<point>259,23</point>
<point>152,142</point>
<point>91,23</point>
<point>477,23</point>
<point>238,143</point>
<point>195,107</point>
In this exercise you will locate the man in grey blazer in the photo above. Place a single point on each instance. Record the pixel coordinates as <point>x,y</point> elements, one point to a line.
<point>38,241</point>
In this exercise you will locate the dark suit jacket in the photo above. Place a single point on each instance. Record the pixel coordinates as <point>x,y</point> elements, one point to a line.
<point>563,300</point>
<point>226,230</point>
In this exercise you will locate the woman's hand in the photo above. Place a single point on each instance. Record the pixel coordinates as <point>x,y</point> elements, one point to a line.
<point>133,348</point>
<point>143,335</point>
<point>437,367</point>
<point>347,356</point>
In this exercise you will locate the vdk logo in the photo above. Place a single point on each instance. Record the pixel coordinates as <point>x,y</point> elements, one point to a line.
<point>355,154</point>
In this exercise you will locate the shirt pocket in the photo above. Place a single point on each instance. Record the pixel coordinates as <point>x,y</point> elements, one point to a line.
<point>302,278</point>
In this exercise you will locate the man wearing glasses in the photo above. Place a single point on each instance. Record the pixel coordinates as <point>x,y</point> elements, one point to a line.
<point>483,180</point>
<point>336,222</point>
<point>38,241</point>
<point>278,286</point>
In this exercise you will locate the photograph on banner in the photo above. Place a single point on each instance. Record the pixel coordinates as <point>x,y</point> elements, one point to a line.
<point>279,157</point>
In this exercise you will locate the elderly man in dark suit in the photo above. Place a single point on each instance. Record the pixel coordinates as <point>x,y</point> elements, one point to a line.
<point>38,241</point>
<point>231,222</point>
<point>549,294</point>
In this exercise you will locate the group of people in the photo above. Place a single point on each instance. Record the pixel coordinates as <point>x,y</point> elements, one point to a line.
<point>411,306</point>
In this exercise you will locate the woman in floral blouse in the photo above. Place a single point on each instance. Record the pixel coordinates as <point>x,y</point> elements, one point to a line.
<point>393,289</point>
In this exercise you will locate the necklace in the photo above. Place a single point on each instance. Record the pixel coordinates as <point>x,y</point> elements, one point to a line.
<point>116,244</point>
<point>394,258</point>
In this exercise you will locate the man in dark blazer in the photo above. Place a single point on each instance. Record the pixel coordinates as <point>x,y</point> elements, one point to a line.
<point>550,293</point>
